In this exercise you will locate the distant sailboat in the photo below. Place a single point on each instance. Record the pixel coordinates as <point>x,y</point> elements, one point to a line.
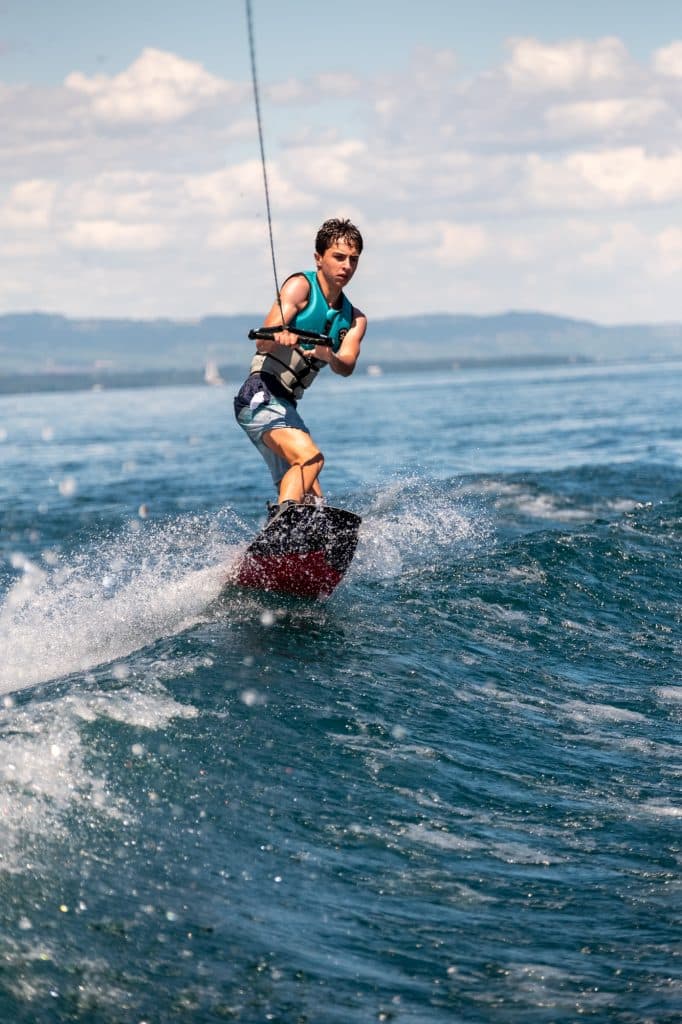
<point>212,374</point>
<point>374,370</point>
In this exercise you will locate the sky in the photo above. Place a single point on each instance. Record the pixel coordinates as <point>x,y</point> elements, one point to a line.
<point>496,156</point>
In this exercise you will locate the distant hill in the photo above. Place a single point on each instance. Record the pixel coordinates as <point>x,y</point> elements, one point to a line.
<point>524,336</point>
<point>41,343</point>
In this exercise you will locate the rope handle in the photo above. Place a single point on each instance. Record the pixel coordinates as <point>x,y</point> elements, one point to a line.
<point>268,334</point>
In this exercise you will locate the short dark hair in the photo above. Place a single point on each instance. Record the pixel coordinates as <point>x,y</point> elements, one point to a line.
<point>335,229</point>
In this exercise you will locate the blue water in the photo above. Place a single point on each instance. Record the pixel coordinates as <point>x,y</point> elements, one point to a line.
<point>450,793</point>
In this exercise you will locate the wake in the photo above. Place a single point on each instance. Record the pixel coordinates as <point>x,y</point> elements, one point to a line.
<point>117,597</point>
<point>132,589</point>
<point>415,523</point>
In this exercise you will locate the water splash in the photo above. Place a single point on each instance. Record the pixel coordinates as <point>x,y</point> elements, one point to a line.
<point>103,603</point>
<point>46,769</point>
<point>414,522</point>
<point>156,580</point>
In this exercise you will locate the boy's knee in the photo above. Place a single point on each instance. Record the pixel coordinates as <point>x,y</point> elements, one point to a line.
<point>310,458</point>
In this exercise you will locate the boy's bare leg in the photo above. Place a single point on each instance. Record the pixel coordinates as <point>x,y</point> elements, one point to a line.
<point>305,461</point>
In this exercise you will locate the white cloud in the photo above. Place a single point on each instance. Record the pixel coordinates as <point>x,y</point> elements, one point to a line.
<point>338,84</point>
<point>29,206</point>
<point>595,116</point>
<point>403,232</point>
<point>669,246</point>
<point>668,60</point>
<point>615,246</point>
<point>553,181</point>
<point>157,87</point>
<point>233,191</point>
<point>564,66</point>
<point>460,244</point>
<point>222,192</point>
<point>631,175</point>
<point>446,242</point>
<point>334,85</point>
<point>121,195</point>
<point>114,236</point>
<point>237,234</point>
<point>603,179</point>
<point>292,90</point>
<point>326,168</point>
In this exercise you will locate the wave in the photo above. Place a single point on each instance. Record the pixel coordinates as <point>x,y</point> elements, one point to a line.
<point>101,604</point>
<point>518,539</point>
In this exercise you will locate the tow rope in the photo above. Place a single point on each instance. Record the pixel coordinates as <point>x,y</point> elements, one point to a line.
<point>256,97</point>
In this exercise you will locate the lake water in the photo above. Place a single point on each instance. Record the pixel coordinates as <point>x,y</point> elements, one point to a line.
<point>449,793</point>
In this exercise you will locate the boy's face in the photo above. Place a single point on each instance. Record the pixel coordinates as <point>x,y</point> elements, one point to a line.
<point>338,263</point>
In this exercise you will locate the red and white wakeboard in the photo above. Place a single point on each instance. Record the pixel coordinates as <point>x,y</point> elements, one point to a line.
<point>303,550</point>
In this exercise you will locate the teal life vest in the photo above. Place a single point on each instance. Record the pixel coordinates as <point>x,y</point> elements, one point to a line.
<point>295,370</point>
<point>322,318</point>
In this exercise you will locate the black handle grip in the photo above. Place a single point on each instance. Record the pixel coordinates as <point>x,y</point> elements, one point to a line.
<point>268,334</point>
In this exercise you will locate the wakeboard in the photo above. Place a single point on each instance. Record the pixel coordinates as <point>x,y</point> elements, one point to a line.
<point>303,550</point>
